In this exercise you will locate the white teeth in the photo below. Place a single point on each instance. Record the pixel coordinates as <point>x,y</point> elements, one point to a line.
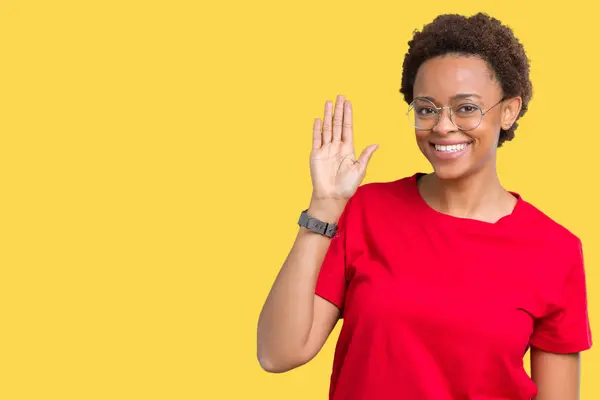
<point>451,148</point>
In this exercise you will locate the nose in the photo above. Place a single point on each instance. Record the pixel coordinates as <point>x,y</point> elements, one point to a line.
<point>444,125</point>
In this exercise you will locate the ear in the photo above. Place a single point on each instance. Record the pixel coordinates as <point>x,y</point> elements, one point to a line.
<point>510,111</point>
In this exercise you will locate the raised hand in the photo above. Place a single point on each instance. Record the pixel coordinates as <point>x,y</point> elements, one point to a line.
<point>336,173</point>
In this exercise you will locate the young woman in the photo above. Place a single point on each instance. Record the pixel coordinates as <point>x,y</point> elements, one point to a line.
<point>444,280</point>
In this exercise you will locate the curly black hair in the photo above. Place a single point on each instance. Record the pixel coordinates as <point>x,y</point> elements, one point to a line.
<point>477,35</point>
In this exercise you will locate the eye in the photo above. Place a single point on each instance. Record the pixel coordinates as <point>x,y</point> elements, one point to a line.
<point>467,109</point>
<point>425,111</point>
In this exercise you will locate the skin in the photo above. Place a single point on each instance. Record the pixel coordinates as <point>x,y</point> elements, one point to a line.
<point>294,322</point>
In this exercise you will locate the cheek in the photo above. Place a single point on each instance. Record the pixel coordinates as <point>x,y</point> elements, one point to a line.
<point>486,140</point>
<point>422,137</point>
<point>422,140</point>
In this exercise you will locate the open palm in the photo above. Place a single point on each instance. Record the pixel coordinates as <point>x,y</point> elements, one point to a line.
<point>336,173</point>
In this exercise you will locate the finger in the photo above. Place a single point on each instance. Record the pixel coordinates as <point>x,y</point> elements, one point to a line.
<point>366,155</point>
<point>317,139</point>
<point>338,118</point>
<point>347,123</point>
<point>327,123</point>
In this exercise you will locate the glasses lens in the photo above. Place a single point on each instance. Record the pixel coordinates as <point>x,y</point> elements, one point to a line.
<point>422,114</point>
<point>466,116</point>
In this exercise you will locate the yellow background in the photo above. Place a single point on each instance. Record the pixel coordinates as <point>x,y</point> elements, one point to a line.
<point>154,161</point>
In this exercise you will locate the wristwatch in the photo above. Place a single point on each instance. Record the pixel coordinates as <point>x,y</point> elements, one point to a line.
<point>316,225</point>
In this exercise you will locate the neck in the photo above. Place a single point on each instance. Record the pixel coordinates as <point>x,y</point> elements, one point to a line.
<point>477,196</point>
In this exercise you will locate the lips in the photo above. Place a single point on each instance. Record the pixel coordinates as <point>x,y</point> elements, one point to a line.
<point>447,150</point>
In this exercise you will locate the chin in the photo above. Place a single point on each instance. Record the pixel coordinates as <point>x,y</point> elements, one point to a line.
<point>450,172</point>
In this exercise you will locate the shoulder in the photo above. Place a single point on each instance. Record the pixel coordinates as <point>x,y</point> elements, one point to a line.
<point>556,237</point>
<point>380,191</point>
<point>547,226</point>
<point>380,200</point>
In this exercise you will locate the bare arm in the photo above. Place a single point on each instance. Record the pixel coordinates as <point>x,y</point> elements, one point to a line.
<point>556,375</point>
<point>294,322</point>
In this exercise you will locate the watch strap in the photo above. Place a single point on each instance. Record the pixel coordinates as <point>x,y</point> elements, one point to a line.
<point>316,225</point>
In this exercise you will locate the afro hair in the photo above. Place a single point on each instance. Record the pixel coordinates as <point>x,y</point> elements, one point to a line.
<point>478,35</point>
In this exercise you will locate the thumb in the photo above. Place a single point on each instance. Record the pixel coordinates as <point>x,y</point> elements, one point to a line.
<point>366,155</point>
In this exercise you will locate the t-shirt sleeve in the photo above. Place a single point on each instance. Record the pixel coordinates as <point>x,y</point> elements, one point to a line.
<point>566,327</point>
<point>331,281</point>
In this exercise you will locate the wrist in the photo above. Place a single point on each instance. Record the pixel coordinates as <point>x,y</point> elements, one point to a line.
<point>326,210</point>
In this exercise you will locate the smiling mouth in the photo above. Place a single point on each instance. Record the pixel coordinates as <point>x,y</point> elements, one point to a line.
<point>452,148</point>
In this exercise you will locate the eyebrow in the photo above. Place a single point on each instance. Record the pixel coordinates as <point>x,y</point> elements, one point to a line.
<point>455,97</point>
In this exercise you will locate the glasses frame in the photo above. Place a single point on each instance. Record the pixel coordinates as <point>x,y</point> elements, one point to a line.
<point>441,109</point>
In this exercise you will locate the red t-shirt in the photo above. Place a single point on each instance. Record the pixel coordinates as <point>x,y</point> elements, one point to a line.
<point>445,308</point>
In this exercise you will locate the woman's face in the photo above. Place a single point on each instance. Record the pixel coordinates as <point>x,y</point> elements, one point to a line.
<point>461,82</point>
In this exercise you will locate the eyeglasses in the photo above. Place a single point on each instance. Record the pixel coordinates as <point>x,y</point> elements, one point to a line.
<point>423,114</point>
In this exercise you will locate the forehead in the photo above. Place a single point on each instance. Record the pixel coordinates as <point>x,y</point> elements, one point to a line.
<point>446,76</point>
